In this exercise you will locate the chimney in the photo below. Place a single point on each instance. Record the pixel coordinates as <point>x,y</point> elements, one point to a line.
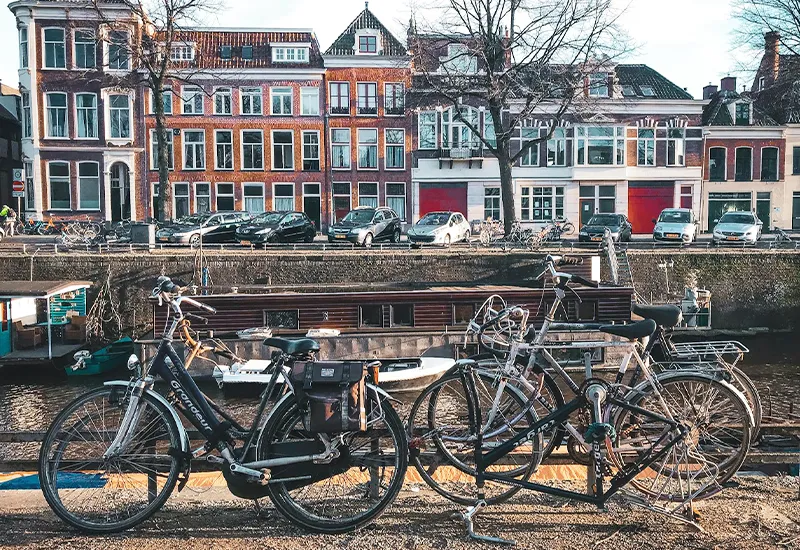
<point>709,91</point>
<point>728,84</point>
<point>772,55</point>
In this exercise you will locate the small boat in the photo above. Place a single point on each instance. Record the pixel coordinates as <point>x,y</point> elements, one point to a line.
<point>103,360</point>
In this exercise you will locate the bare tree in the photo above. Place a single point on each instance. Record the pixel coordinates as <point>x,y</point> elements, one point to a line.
<point>532,55</point>
<point>156,28</point>
<point>758,17</point>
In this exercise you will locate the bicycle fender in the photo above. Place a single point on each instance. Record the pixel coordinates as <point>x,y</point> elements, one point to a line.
<point>160,398</point>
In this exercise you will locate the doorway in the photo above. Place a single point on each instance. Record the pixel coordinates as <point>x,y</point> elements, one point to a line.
<point>764,210</point>
<point>5,327</point>
<point>796,210</point>
<point>120,192</point>
<point>312,204</point>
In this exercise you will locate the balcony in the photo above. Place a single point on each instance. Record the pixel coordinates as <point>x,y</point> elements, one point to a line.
<point>340,110</point>
<point>470,152</point>
<point>395,111</point>
<point>367,111</point>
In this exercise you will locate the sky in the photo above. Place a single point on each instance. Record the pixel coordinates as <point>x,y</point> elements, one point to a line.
<point>688,41</point>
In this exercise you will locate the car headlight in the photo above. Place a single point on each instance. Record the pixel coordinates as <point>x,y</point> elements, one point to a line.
<point>357,230</point>
<point>582,232</point>
<point>264,231</point>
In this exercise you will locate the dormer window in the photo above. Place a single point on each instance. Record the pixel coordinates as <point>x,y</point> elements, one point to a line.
<point>459,60</point>
<point>225,52</point>
<point>247,52</point>
<point>647,91</point>
<point>598,85</point>
<point>742,114</point>
<point>289,54</point>
<point>628,91</point>
<point>368,43</point>
<point>181,52</point>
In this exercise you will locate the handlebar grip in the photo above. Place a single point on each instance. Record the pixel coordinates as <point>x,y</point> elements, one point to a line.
<point>581,281</point>
<point>209,309</point>
<point>502,314</point>
<point>196,317</point>
<point>570,261</point>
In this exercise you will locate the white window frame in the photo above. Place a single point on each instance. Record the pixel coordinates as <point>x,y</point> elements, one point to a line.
<point>525,160</point>
<point>24,51</point>
<point>252,184</point>
<point>435,130</point>
<point>110,115</point>
<point>275,197</point>
<point>107,56</point>
<point>231,195</point>
<point>197,196</point>
<point>402,217</point>
<point>44,48</point>
<point>78,186</point>
<point>370,196</point>
<point>50,188</point>
<point>75,48</point>
<point>194,91</point>
<point>312,94</point>
<point>251,92</point>
<point>339,84</point>
<point>303,152</point>
<point>290,54</point>
<point>367,98</point>
<point>682,142</point>
<point>194,144</point>
<point>648,142</point>
<point>30,192</point>
<point>273,93</point>
<point>251,145</point>
<point>559,142</point>
<point>452,127</point>
<point>618,139</point>
<point>777,163</point>
<point>27,120</point>
<point>222,93</point>
<point>498,196</point>
<point>357,45</point>
<point>216,150</point>
<point>78,118</point>
<point>527,212</point>
<point>154,144</point>
<point>175,197</point>
<point>181,52</point>
<point>598,84</point>
<point>47,128</point>
<point>361,144</point>
<point>349,155</point>
<point>273,155</point>
<point>387,145</point>
<point>166,93</point>
<point>386,96</point>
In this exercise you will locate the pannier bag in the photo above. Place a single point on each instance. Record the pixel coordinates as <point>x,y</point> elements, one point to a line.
<point>332,393</point>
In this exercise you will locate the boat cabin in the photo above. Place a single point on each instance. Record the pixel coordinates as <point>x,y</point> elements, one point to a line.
<point>41,321</point>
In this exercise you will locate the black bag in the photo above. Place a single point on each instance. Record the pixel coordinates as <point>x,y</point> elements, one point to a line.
<point>332,394</point>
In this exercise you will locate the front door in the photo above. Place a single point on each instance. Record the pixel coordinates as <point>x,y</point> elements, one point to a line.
<point>763,210</point>
<point>587,210</point>
<point>5,327</point>
<point>312,208</point>
<point>796,210</point>
<point>120,193</point>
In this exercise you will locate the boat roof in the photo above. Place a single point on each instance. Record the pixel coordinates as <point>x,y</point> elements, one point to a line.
<point>39,289</point>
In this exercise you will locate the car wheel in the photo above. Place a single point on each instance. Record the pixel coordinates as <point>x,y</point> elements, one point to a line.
<point>194,240</point>
<point>396,236</point>
<point>367,240</point>
<point>447,240</point>
<point>309,238</point>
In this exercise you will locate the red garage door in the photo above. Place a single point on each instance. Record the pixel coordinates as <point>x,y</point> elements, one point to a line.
<point>436,197</point>
<point>646,201</point>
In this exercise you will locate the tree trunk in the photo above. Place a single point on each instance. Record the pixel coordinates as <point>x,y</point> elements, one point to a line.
<point>161,207</point>
<point>506,190</point>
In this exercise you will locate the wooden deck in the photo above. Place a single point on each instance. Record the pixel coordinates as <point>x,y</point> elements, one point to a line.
<point>40,353</point>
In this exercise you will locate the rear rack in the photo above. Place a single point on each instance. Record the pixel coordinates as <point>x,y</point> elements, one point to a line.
<point>708,350</point>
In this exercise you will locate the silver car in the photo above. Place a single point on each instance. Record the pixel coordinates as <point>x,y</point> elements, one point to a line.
<point>440,228</point>
<point>675,224</point>
<point>737,227</point>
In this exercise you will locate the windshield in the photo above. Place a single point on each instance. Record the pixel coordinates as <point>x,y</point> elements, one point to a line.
<point>268,218</point>
<point>196,219</point>
<point>606,219</point>
<point>734,217</point>
<point>437,218</point>
<point>674,217</point>
<point>359,216</point>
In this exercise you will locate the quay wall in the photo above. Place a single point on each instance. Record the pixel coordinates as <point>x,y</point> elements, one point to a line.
<point>753,288</point>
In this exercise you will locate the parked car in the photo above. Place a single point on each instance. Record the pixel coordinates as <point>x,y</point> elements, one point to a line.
<point>277,227</point>
<point>365,224</point>
<point>440,228</point>
<point>618,224</point>
<point>737,227</point>
<point>214,227</point>
<point>676,224</point>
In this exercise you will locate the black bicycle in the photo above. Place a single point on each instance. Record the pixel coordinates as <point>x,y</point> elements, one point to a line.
<point>114,455</point>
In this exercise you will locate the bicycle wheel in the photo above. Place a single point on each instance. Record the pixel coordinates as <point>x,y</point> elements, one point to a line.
<point>442,438</point>
<point>353,489</point>
<point>745,384</point>
<point>567,229</point>
<point>719,423</point>
<point>100,495</point>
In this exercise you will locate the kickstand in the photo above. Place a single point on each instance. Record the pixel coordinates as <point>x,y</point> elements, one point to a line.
<point>467,515</point>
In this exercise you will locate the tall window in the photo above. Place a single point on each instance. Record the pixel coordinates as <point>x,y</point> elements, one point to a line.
<point>598,85</point>
<point>30,192</point>
<point>252,150</point>
<point>58,182</point>
<point>340,148</point>
<point>491,203</point>
<point>27,125</point>
<point>251,101</point>
<point>795,160</point>
<point>557,148</point>
<point>281,101</point>
<point>646,147</point>
<point>23,48</point>
<point>56,115</point>
<point>88,186</point>
<point>367,148</point>
<point>541,204</point>
<point>254,197</point>
<point>769,164</point>
<point>742,114</point>
<point>687,197</point>
<point>86,110</point>
<point>311,150</point>
<point>194,150</point>
<point>489,133</point>
<point>222,101</point>
<point>367,98</point>
<point>368,44</point>
<point>85,49</point>
<point>531,156</point>
<point>396,198</point>
<point>120,116</point>
<point>676,147</point>
<point>340,98</point>
<point>394,98</point>
<point>395,154</point>
<point>225,197</point>
<point>54,49</point>
<point>118,50</point>
<point>166,96</point>
<point>601,145</point>
<point>180,200</point>
<point>368,194</point>
<point>455,132</point>
<point>282,150</point>
<point>717,157</point>
<point>427,130</point>
<point>192,97</point>
<point>283,199</point>
<point>154,150</point>
<point>744,164</point>
<point>202,197</point>
<point>309,101</point>
<point>223,142</point>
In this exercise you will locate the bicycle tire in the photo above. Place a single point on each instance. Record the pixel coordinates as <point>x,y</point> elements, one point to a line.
<point>745,384</point>
<point>462,489</point>
<point>283,423</point>
<point>567,229</point>
<point>125,483</point>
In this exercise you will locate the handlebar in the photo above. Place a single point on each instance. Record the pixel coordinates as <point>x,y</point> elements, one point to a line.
<point>170,291</point>
<point>562,279</point>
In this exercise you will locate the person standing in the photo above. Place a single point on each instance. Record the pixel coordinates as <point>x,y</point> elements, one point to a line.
<point>7,218</point>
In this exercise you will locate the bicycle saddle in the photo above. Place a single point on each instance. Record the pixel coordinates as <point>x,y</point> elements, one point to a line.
<point>633,331</point>
<point>293,347</point>
<point>665,315</point>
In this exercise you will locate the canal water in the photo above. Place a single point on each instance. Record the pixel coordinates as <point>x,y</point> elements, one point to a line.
<point>31,402</point>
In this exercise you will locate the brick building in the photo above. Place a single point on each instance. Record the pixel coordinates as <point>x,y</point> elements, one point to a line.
<point>367,75</point>
<point>10,144</point>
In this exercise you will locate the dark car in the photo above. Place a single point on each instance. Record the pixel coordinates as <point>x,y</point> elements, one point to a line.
<point>277,227</point>
<point>213,227</point>
<point>365,224</point>
<point>617,224</point>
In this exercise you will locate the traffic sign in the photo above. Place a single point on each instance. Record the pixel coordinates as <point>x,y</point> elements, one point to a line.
<point>18,187</point>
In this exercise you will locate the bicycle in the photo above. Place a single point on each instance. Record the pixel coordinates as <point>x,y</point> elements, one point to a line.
<point>490,231</point>
<point>557,229</point>
<point>128,444</point>
<point>523,237</point>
